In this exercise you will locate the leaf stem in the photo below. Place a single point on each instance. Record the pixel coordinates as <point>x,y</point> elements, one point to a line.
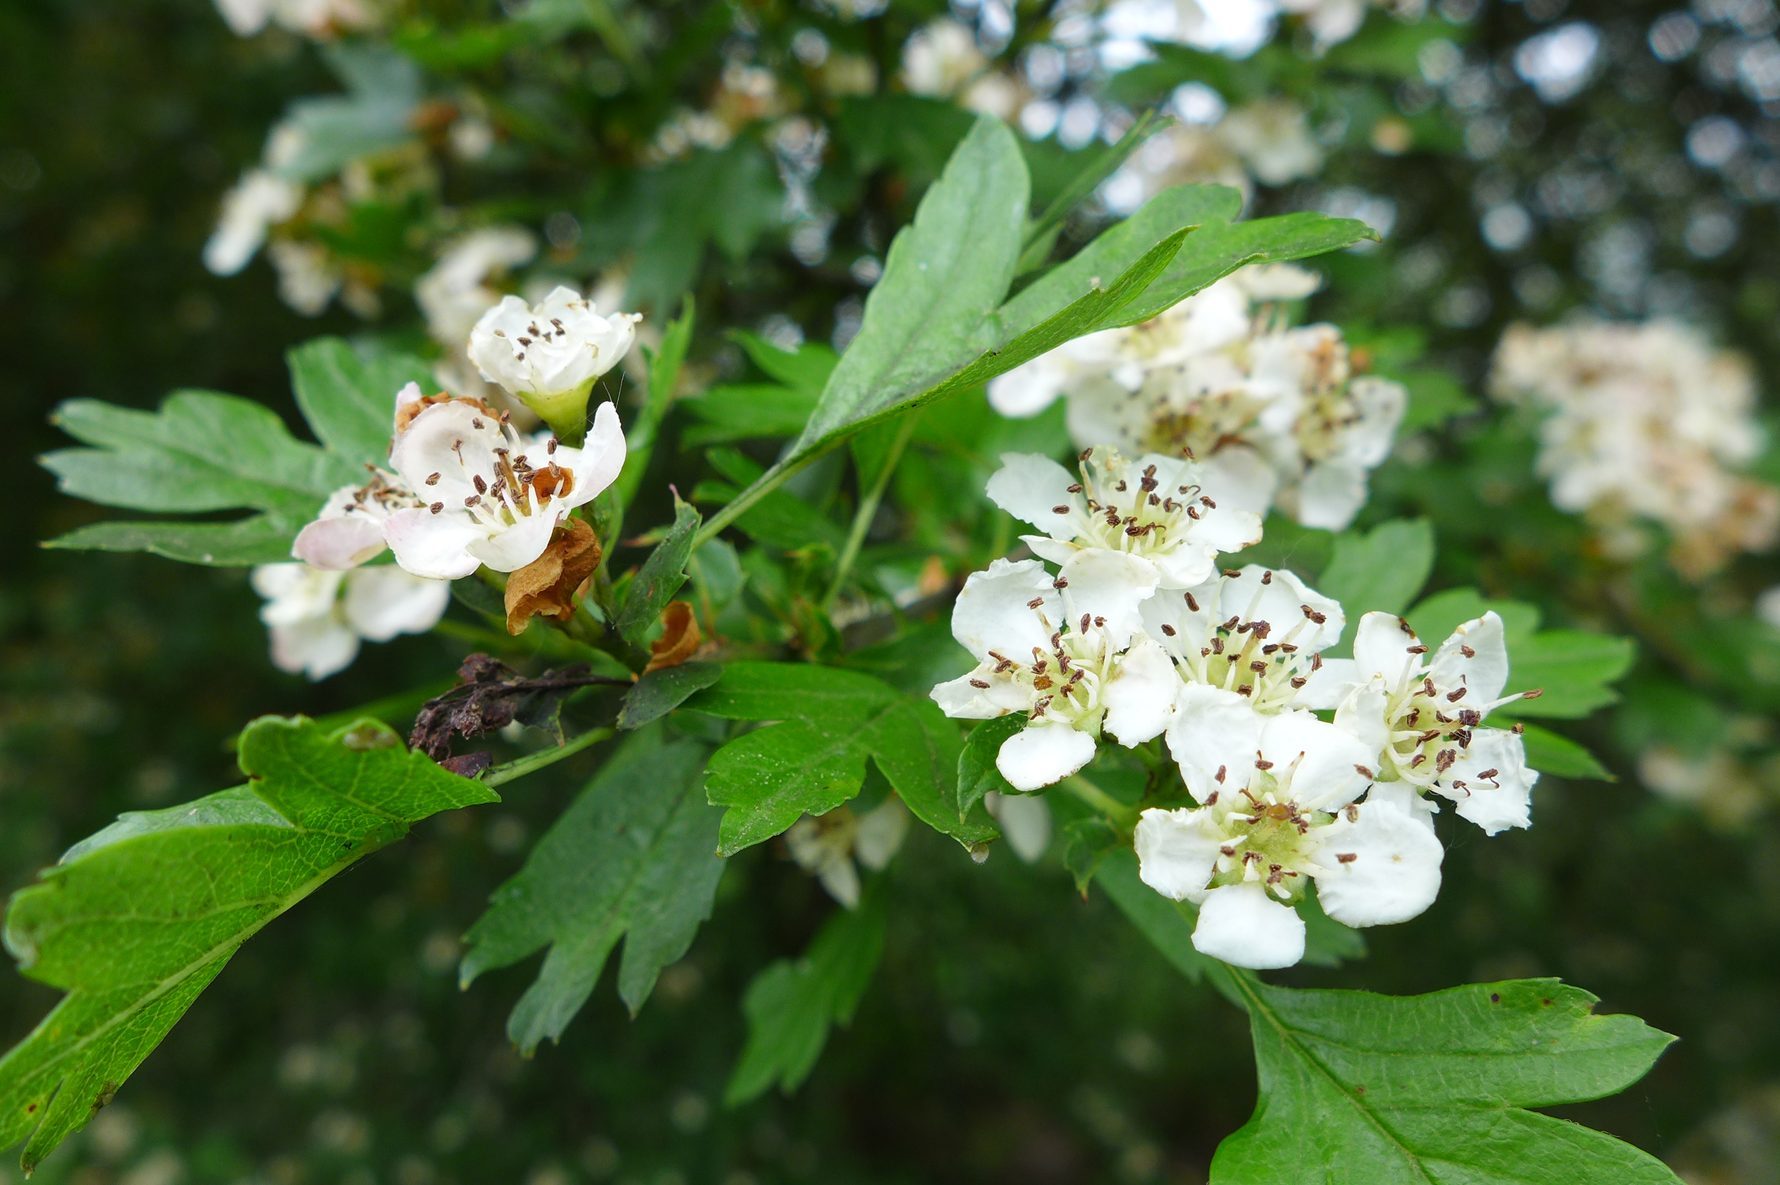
<point>509,771</point>
<point>763,485</point>
<point>868,510</point>
<point>1121,815</point>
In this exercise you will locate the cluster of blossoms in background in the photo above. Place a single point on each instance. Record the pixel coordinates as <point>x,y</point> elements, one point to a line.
<point>1645,424</point>
<point>1222,378</point>
<point>465,488</point>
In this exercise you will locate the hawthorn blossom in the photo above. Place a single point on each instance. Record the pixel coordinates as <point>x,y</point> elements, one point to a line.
<point>1278,807</point>
<point>1155,509</point>
<point>833,847</point>
<point>1422,717</point>
<point>349,529</point>
<point>456,291</point>
<point>1272,137</point>
<point>1060,650</point>
<point>1645,424</point>
<point>549,354</point>
<point>1257,632</point>
<point>1219,378</point>
<point>317,618</point>
<point>490,495</point>
<point>258,202</point>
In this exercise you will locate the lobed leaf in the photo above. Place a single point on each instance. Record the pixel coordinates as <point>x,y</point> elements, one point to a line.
<point>1432,1090</point>
<point>791,1006</point>
<point>631,859</point>
<point>830,723</point>
<point>1378,570</point>
<point>137,920</point>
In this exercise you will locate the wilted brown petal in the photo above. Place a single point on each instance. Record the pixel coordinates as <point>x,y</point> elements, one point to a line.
<point>679,639</point>
<point>547,586</point>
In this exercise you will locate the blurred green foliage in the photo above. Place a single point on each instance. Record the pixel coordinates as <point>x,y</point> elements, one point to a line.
<point>338,1048</point>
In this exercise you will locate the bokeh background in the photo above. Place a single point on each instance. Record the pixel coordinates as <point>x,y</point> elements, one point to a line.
<point>1014,1032</point>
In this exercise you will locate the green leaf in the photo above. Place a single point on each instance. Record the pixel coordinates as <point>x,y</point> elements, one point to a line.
<point>630,859</point>
<point>347,396</point>
<point>1434,397</point>
<point>831,722</point>
<point>747,411</point>
<point>1086,843</point>
<point>259,539</point>
<point>1572,667</point>
<point>660,577</point>
<point>1550,753</point>
<point>790,1006</point>
<point>374,115</point>
<point>1378,570</point>
<point>660,692</point>
<point>977,774</point>
<point>202,451</point>
<point>944,275</point>
<point>136,921</point>
<point>1375,1090</point>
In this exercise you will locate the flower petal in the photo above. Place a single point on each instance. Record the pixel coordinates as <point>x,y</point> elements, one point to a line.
<point>315,647</point>
<point>1030,487</point>
<point>1382,646</point>
<point>1490,783</point>
<point>1110,585</point>
<point>385,601</point>
<point>992,613</point>
<point>1328,768</point>
<point>512,548</point>
<point>1214,732</point>
<point>434,545</point>
<point>1244,927</point>
<point>1380,867</point>
<point>1177,851</point>
<point>1330,493</point>
<point>1139,698</point>
<point>597,462</point>
<point>1042,754</point>
<point>1025,821</point>
<point>1484,671</point>
<point>339,543</point>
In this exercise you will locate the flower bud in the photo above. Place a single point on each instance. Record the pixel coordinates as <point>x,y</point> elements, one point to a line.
<point>549,354</point>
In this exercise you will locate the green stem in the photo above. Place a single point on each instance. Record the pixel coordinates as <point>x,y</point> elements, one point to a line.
<point>509,771</point>
<point>763,485</point>
<point>1120,814</point>
<point>868,510</point>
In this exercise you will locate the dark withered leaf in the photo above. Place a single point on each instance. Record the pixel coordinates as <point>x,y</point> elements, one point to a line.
<point>491,695</point>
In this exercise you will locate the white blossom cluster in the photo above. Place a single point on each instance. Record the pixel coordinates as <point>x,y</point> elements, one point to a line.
<point>1645,423</point>
<point>1124,628</point>
<point>1222,378</point>
<point>464,489</point>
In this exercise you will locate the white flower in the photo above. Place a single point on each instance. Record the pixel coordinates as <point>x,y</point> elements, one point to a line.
<point>1272,136</point>
<point>1056,650</point>
<point>1257,632</point>
<point>1220,378</point>
<point>941,58</point>
<point>1278,807</point>
<point>550,353</point>
<point>496,495</point>
<point>1159,510</point>
<point>349,530</point>
<point>1645,423</point>
<point>1422,717</point>
<point>259,201</point>
<point>455,292</point>
<point>317,618</point>
<point>826,846</point>
<point>308,277</point>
